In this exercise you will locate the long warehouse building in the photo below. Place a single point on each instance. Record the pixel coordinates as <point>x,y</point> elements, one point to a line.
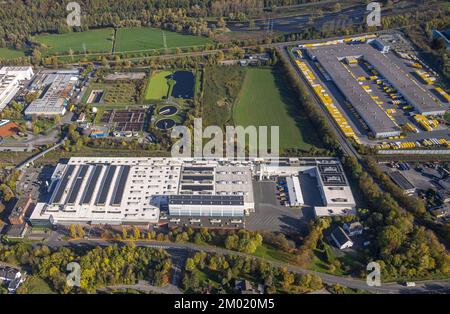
<point>330,57</point>
<point>132,190</point>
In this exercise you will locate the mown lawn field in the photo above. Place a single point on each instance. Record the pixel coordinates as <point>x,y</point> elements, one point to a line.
<point>7,53</point>
<point>142,38</point>
<point>266,100</point>
<point>157,87</point>
<point>94,40</point>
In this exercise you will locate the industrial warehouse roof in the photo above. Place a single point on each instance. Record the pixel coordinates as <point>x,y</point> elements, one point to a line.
<point>57,89</point>
<point>374,116</point>
<point>74,191</point>
<point>401,181</point>
<point>125,190</point>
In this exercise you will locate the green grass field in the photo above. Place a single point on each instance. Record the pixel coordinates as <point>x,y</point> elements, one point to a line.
<point>268,252</point>
<point>141,38</point>
<point>7,53</point>
<point>265,100</point>
<point>94,40</point>
<point>157,87</point>
<point>35,285</point>
<point>221,87</point>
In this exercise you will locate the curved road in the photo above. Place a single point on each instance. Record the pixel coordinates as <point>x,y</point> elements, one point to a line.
<point>429,286</point>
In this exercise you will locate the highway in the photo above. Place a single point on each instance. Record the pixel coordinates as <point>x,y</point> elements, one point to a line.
<point>353,15</point>
<point>176,249</point>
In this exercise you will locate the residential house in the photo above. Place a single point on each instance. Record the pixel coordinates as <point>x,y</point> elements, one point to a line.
<point>12,277</point>
<point>247,287</point>
<point>341,239</point>
<point>19,211</point>
<point>353,228</point>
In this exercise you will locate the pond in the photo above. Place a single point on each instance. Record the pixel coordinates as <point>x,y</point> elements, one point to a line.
<point>184,86</point>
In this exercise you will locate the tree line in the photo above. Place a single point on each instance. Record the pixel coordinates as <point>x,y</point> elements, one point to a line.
<point>100,266</point>
<point>404,248</point>
<point>222,271</point>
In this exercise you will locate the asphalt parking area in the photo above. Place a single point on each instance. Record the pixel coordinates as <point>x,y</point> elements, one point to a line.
<point>269,215</point>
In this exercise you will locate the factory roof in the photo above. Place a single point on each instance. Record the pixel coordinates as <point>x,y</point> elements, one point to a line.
<point>411,91</point>
<point>329,57</point>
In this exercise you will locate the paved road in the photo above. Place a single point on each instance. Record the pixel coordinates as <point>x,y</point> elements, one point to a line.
<point>39,155</point>
<point>143,285</point>
<point>354,15</point>
<point>431,286</point>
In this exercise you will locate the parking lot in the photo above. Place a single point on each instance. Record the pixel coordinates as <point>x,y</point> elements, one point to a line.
<point>418,179</point>
<point>270,215</point>
<point>206,222</point>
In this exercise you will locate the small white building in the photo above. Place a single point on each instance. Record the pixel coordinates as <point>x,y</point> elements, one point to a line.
<point>294,191</point>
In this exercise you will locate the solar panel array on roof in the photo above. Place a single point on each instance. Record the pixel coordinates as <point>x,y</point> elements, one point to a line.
<point>206,200</point>
<point>197,177</point>
<point>197,187</point>
<point>62,186</point>
<point>77,185</point>
<point>106,184</point>
<point>333,179</point>
<point>120,186</point>
<point>89,190</point>
<point>330,169</point>
<point>198,169</point>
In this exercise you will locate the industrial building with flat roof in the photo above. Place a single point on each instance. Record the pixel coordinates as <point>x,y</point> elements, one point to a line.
<point>402,182</point>
<point>57,88</point>
<point>133,190</point>
<point>10,82</point>
<point>335,192</point>
<point>330,57</point>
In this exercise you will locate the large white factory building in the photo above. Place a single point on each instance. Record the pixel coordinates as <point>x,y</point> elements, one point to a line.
<point>133,191</point>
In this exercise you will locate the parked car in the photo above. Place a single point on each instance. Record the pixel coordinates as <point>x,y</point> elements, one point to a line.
<point>410,284</point>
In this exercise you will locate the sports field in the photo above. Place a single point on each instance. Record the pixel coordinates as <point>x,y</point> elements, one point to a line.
<point>6,53</point>
<point>265,100</point>
<point>157,87</point>
<point>142,38</point>
<point>94,40</point>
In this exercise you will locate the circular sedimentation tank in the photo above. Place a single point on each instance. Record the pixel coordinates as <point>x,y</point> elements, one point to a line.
<point>165,124</point>
<point>168,110</point>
